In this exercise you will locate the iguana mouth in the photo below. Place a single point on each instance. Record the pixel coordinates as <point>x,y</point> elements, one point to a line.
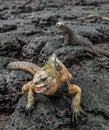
<point>39,89</point>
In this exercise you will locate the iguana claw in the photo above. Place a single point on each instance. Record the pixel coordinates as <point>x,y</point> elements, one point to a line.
<point>76,115</point>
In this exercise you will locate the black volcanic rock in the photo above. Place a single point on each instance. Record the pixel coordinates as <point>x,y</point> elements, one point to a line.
<point>11,48</point>
<point>10,89</point>
<point>7,28</point>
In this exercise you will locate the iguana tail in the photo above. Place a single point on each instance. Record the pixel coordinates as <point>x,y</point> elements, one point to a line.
<point>23,65</point>
<point>99,51</point>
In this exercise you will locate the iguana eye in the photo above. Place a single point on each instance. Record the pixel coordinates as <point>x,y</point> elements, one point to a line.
<point>43,79</point>
<point>36,83</point>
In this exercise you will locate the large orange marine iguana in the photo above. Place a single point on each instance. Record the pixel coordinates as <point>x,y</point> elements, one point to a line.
<point>48,80</point>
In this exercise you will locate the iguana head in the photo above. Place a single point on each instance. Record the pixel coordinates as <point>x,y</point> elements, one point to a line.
<point>53,74</point>
<point>40,81</point>
<point>58,24</point>
<point>61,26</point>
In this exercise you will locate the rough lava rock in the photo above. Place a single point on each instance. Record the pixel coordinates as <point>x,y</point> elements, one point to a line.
<point>6,28</point>
<point>46,18</point>
<point>44,116</point>
<point>10,89</point>
<point>11,48</point>
<point>31,51</point>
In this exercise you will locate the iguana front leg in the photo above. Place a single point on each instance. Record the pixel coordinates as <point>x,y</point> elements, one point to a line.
<point>26,87</point>
<point>31,94</point>
<point>75,92</point>
<point>30,99</point>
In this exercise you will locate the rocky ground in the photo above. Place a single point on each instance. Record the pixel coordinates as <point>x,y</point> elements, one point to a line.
<point>28,32</point>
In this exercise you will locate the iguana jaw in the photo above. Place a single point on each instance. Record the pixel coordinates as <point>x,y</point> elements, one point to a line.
<point>40,88</point>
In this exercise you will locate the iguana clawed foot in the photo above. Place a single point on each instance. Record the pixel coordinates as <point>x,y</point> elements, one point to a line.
<point>77,114</point>
<point>28,112</point>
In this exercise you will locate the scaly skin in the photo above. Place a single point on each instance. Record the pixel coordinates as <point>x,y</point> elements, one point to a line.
<point>24,65</point>
<point>48,80</point>
<point>73,38</point>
